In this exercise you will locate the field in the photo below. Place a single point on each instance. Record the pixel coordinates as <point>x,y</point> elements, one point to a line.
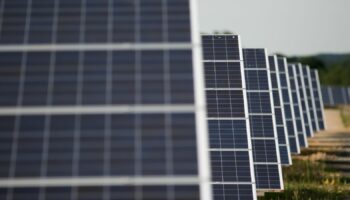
<point>322,171</point>
<point>309,179</point>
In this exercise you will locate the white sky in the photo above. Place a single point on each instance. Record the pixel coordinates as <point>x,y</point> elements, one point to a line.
<point>292,27</point>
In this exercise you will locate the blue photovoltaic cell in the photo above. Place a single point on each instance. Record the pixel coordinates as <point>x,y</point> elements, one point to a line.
<point>300,127</point>
<point>262,120</point>
<point>335,95</point>
<point>267,175</point>
<point>281,126</point>
<point>66,81</point>
<point>230,166</point>
<point>288,105</point>
<point>339,95</point>
<point>93,147</point>
<point>74,21</point>
<point>231,159</point>
<point>234,192</point>
<point>230,134</point>
<point>305,107</point>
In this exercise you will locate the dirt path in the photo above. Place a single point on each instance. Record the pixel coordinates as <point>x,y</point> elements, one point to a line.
<point>333,120</point>
<point>332,146</point>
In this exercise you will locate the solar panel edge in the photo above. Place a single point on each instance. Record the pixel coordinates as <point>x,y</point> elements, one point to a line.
<point>275,59</point>
<point>292,107</point>
<point>200,99</point>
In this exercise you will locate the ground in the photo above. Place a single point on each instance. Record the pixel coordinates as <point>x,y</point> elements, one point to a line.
<point>322,171</point>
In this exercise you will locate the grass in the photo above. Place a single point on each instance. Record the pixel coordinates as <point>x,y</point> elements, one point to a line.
<point>345,115</point>
<point>308,179</point>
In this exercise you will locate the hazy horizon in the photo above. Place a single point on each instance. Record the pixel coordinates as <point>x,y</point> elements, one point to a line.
<point>314,26</point>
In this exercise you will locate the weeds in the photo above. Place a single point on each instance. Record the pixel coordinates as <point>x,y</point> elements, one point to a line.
<point>308,179</point>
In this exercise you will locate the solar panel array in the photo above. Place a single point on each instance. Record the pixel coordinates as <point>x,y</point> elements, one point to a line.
<point>335,95</point>
<point>280,119</point>
<point>111,99</point>
<point>229,135</point>
<point>101,99</point>
<point>267,164</point>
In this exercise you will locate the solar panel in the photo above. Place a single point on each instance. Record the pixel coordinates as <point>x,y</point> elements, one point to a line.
<point>338,95</point>
<point>288,105</point>
<point>316,87</point>
<point>281,127</point>
<point>229,131</point>
<point>300,127</point>
<point>305,107</point>
<point>326,96</point>
<point>335,95</point>
<point>103,100</point>
<point>348,95</point>
<point>311,98</point>
<point>267,164</point>
<point>345,95</point>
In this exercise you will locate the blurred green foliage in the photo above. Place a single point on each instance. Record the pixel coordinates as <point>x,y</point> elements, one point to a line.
<point>333,69</point>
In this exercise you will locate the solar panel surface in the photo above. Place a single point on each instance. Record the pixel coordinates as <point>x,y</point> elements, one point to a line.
<point>338,95</point>
<point>281,126</point>
<point>267,164</point>
<point>229,131</point>
<point>103,99</point>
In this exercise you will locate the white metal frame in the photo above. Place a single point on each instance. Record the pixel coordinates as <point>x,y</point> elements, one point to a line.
<point>200,101</point>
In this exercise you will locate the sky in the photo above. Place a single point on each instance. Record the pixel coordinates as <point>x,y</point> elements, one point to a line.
<point>291,27</point>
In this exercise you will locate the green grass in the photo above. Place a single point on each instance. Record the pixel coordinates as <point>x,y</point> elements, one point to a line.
<point>309,180</point>
<point>345,115</point>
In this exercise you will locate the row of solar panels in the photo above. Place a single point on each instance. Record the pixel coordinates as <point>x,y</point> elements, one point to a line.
<point>261,109</point>
<point>111,99</point>
<point>335,95</point>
